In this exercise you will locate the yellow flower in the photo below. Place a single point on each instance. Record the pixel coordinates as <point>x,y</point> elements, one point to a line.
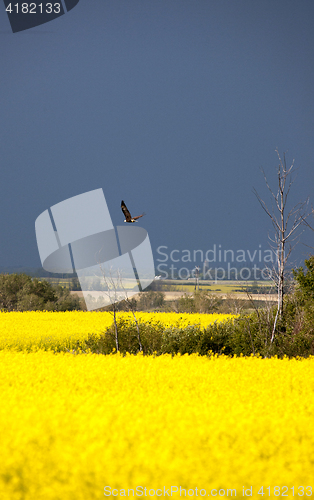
<point>72,425</point>
<point>62,330</point>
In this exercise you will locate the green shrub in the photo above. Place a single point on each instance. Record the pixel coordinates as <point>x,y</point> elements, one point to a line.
<point>19,292</point>
<point>305,280</point>
<point>246,335</point>
<point>202,301</point>
<point>151,338</point>
<point>159,340</point>
<point>150,300</point>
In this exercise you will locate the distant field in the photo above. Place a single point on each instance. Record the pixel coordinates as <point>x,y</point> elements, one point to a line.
<point>221,287</point>
<point>263,291</point>
<point>174,289</point>
<point>189,285</point>
<point>223,295</point>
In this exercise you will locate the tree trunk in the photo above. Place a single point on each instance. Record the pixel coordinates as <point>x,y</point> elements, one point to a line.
<point>116,329</point>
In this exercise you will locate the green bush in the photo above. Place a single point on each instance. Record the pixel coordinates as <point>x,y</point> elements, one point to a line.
<point>305,281</point>
<point>19,292</point>
<point>202,301</point>
<point>244,336</point>
<point>150,300</point>
<point>159,340</point>
<point>151,339</point>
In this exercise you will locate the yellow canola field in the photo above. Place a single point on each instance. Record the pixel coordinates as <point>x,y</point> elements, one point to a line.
<point>61,330</point>
<point>72,425</point>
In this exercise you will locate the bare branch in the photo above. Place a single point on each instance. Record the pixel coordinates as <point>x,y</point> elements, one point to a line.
<point>285,224</point>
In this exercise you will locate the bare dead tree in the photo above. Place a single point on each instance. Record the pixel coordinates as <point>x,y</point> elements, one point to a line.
<point>286,223</point>
<point>115,284</point>
<point>132,309</point>
<point>112,285</point>
<point>309,225</point>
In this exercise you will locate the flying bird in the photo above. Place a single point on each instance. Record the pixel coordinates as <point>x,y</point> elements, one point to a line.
<point>128,216</point>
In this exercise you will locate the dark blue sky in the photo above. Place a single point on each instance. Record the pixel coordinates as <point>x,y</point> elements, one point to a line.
<point>171,105</point>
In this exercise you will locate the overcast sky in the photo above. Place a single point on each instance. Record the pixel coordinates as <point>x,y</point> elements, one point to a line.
<point>171,105</point>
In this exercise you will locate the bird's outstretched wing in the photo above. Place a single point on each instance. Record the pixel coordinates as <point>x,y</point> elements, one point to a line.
<point>139,216</point>
<point>125,211</point>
